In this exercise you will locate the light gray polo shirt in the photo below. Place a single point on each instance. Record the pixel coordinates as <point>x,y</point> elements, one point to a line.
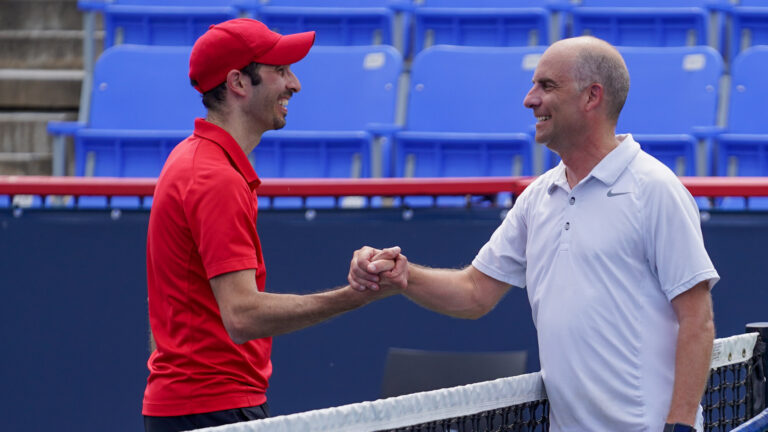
<point>601,263</point>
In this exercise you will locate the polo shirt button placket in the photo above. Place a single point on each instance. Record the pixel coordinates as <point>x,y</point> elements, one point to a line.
<point>565,237</point>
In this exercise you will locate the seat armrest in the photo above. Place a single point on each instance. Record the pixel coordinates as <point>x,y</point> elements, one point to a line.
<point>64,127</point>
<point>383,128</point>
<point>91,5</point>
<point>707,131</point>
<point>401,5</point>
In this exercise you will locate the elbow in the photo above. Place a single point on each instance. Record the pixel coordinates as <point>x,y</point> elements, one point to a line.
<point>236,328</point>
<point>476,311</point>
<point>479,307</point>
<point>471,315</point>
<point>238,338</point>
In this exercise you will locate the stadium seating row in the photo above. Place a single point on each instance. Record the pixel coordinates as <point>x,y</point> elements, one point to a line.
<point>413,25</point>
<point>463,113</point>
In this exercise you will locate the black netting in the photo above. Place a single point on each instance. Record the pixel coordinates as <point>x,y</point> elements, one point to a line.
<point>728,401</point>
<point>526,417</point>
<point>731,399</point>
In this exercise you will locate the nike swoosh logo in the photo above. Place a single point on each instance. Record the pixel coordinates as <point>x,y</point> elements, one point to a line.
<point>611,193</point>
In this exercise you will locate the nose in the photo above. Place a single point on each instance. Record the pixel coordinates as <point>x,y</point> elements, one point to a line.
<point>532,100</point>
<point>293,82</point>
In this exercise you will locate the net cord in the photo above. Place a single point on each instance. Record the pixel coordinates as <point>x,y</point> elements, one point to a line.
<point>732,350</point>
<point>406,410</point>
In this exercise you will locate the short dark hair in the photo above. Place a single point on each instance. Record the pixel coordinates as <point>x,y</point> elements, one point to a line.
<point>214,97</point>
<point>608,70</point>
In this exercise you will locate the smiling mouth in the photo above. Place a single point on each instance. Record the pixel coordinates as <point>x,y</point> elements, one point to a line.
<point>543,118</point>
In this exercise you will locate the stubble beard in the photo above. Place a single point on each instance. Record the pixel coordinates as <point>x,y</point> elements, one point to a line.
<point>278,123</point>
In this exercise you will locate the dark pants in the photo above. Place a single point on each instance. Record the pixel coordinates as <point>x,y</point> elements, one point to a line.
<point>197,421</point>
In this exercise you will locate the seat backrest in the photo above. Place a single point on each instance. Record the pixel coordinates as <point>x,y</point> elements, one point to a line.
<point>161,23</point>
<point>483,23</point>
<point>184,3</point>
<point>644,3</point>
<point>471,89</point>
<point>410,371</point>
<point>671,89</point>
<point>749,25</point>
<point>747,3</point>
<point>144,87</point>
<point>749,92</point>
<point>642,23</point>
<point>345,88</point>
<point>481,3</point>
<point>328,3</point>
<point>336,22</point>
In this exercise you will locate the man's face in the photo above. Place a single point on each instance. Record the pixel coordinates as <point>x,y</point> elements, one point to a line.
<point>269,102</point>
<point>555,99</point>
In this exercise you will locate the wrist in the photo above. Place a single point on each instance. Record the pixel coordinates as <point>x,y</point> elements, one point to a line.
<point>678,427</point>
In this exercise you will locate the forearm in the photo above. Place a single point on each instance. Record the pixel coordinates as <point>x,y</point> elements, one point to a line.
<point>447,291</point>
<point>269,314</point>
<point>692,360</point>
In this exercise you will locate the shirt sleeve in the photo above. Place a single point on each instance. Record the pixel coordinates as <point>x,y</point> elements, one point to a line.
<point>222,219</point>
<point>673,238</point>
<point>503,256</point>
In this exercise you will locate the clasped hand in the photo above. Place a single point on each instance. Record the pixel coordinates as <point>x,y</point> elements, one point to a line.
<point>375,269</point>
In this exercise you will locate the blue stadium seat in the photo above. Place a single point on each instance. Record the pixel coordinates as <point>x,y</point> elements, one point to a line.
<point>481,23</point>
<point>171,22</point>
<point>341,122</point>
<point>339,22</point>
<point>749,25</point>
<point>645,22</point>
<point>743,149</point>
<point>142,105</point>
<point>466,115</point>
<point>671,109</point>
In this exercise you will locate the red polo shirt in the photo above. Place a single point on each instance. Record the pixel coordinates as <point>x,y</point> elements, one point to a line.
<point>202,224</point>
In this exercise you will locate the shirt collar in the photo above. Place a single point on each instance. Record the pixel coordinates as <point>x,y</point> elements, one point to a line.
<point>614,163</point>
<point>211,132</point>
<point>607,170</point>
<point>559,179</point>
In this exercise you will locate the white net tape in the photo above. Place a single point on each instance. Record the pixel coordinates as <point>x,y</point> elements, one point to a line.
<point>404,410</point>
<point>734,349</point>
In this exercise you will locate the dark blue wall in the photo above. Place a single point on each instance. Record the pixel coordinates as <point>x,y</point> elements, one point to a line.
<point>74,325</point>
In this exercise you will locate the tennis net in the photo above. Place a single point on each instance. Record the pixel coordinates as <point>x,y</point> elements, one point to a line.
<point>758,423</point>
<point>519,403</point>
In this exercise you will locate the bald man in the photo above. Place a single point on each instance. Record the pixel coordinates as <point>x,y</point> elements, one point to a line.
<point>609,247</point>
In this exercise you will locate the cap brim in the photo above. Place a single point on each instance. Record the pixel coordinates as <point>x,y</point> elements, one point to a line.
<point>289,49</point>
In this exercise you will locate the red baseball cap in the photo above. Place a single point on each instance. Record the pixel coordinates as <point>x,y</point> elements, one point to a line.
<point>236,43</point>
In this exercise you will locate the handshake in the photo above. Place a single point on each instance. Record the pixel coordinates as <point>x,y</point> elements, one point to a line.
<point>378,269</point>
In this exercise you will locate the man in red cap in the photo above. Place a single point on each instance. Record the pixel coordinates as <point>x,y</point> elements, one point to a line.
<point>211,318</point>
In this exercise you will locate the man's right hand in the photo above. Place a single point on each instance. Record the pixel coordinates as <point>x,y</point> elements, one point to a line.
<point>376,269</point>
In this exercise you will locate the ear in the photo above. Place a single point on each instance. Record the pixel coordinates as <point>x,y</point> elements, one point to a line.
<point>594,96</point>
<point>236,82</point>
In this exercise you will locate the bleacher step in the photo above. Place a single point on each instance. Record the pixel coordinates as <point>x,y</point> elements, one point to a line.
<point>31,89</point>
<point>40,15</point>
<point>25,146</point>
<point>43,49</point>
